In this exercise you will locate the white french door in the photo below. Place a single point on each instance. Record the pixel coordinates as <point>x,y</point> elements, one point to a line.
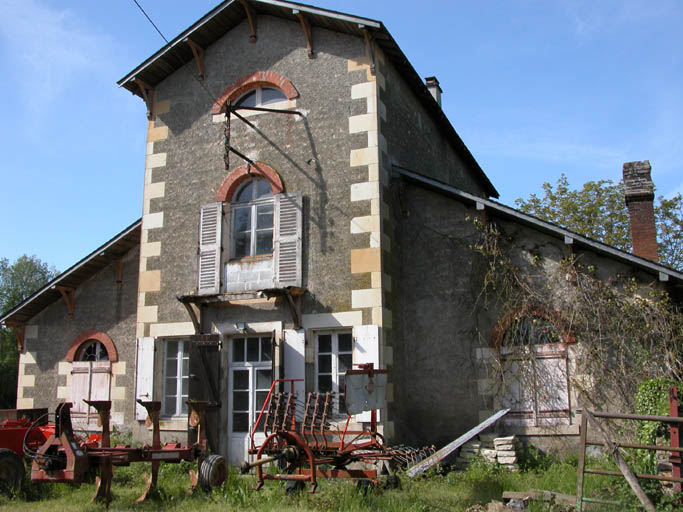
<point>249,380</point>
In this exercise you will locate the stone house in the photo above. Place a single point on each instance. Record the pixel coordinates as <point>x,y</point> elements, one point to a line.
<point>300,181</point>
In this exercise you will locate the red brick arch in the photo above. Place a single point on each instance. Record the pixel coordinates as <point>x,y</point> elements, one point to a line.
<point>551,316</point>
<point>245,172</point>
<point>246,83</point>
<point>92,335</point>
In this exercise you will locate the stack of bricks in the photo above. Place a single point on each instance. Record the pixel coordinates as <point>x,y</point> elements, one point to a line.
<point>493,449</point>
<point>506,452</point>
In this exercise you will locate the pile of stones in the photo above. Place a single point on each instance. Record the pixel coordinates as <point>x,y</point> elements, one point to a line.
<point>493,449</point>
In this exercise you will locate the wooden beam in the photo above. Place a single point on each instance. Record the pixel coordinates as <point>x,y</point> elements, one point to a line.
<point>306,27</point>
<point>118,272</point>
<point>146,93</point>
<point>68,296</point>
<point>19,329</point>
<point>370,45</point>
<point>198,53</point>
<point>194,313</point>
<point>251,19</point>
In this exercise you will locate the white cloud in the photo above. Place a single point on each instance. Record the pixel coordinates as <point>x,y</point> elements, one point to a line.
<point>51,50</point>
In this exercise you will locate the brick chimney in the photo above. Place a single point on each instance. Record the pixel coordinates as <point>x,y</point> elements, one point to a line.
<point>639,195</point>
<point>433,86</point>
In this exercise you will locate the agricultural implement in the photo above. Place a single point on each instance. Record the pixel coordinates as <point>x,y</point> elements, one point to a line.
<point>313,440</point>
<point>58,455</point>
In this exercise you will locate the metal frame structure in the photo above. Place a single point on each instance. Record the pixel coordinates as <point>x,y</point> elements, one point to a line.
<point>674,422</point>
<point>303,437</point>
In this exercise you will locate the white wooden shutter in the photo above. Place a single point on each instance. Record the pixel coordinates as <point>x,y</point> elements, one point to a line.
<point>144,375</point>
<point>209,260</point>
<point>287,240</point>
<point>80,388</point>
<point>366,350</point>
<point>295,360</point>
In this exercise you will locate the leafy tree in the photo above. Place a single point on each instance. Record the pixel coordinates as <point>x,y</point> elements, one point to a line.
<point>598,211</point>
<point>17,281</point>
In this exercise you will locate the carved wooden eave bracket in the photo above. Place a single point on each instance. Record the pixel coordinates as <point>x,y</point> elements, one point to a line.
<point>251,19</point>
<point>370,47</point>
<point>147,94</point>
<point>195,316</point>
<point>68,296</point>
<point>19,329</point>
<point>293,295</point>
<point>198,54</point>
<point>306,27</point>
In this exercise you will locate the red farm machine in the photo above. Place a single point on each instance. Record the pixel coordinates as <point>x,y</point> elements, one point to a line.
<point>57,454</point>
<point>313,439</point>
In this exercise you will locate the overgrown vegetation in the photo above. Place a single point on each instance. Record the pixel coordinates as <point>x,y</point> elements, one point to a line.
<point>627,332</point>
<point>437,490</point>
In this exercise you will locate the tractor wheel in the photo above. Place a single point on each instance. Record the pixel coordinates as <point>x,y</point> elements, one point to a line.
<point>12,471</point>
<point>213,472</point>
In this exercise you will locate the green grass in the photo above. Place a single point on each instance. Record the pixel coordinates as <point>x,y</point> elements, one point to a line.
<point>454,491</point>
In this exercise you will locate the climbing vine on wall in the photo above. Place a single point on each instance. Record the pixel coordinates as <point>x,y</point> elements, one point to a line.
<point>627,331</point>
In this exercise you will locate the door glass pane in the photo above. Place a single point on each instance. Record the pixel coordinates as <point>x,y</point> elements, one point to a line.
<point>172,349</point>
<point>324,343</point>
<point>240,400</point>
<point>186,366</point>
<point>183,406</point>
<point>252,350</point>
<point>240,422</point>
<point>324,363</point>
<point>266,349</point>
<point>263,379</point>
<point>185,386</point>
<point>345,342</point>
<point>264,242</point>
<point>238,350</point>
<point>344,363</point>
<point>260,400</point>
<point>324,383</point>
<point>240,379</point>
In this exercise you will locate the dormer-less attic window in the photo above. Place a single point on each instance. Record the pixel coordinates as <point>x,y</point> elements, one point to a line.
<point>260,97</point>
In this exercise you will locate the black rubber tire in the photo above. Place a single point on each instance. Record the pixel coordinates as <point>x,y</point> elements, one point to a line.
<point>393,482</point>
<point>212,472</point>
<point>12,472</point>
<point>364,486</point>
<point>294,486</point>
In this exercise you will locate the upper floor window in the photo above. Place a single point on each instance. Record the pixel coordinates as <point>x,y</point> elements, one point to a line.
<point>252,220</point>
<point>261,96</point>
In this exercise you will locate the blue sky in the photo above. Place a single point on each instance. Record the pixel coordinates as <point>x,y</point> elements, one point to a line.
<point>535,88</point>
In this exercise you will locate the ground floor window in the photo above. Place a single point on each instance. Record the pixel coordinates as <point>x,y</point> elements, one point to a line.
<point>334,355</point>
<point>176,378</point>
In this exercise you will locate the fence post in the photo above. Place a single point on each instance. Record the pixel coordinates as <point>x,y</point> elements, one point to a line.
<point>582,462</point>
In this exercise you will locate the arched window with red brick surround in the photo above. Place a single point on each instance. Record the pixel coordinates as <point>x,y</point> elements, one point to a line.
<point>262,79</point>
<point>91,355</point>
<point>533,348</point>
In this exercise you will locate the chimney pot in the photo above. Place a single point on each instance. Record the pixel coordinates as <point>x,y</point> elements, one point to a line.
<point>639,194</point>
<point>433,86</point>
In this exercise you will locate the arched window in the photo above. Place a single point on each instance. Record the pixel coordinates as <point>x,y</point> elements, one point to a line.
<point>535,372</point>
<point>92,350</point>
<point>261,96</point>
<point>251,213</point>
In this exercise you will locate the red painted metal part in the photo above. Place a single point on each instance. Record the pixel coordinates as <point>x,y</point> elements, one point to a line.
<point>306,439</point>
<point>675,437</point>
